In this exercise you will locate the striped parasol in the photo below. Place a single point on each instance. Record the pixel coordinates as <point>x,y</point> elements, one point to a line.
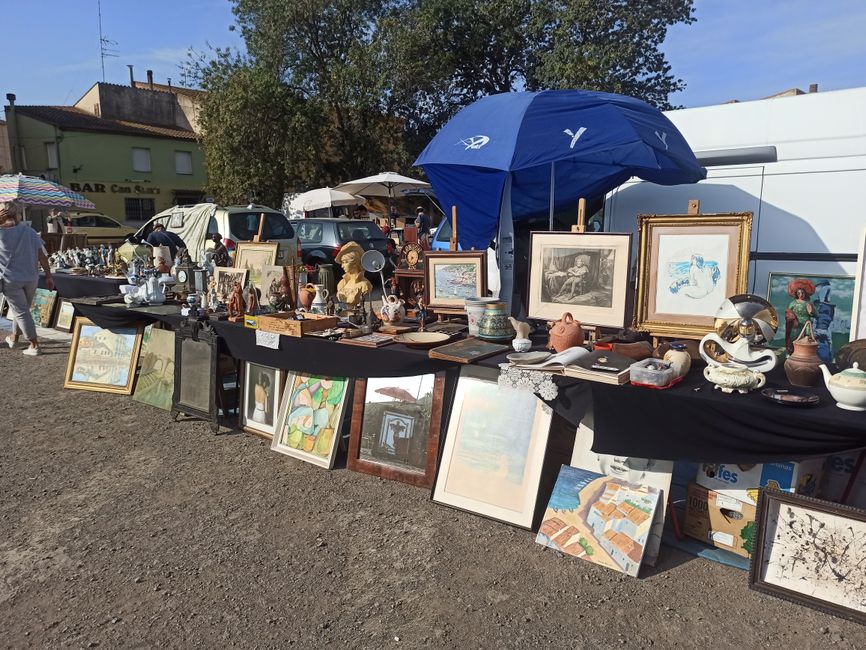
<point>79,200</point>
<point>34,191</point>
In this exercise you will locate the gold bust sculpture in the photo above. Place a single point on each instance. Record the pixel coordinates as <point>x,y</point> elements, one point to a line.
<point>353,286</point>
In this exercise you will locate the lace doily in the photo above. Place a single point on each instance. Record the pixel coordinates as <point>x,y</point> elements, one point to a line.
<point>531,381</point>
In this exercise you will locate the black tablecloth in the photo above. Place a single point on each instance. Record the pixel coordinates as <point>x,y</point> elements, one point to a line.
<point>78,286</point>
<point>711,426</point>
<point>119,315</point>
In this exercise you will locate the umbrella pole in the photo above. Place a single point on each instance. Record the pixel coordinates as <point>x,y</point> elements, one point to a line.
<point>552,192</point>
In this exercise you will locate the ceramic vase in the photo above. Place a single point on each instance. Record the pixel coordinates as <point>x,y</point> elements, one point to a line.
<point>565,333</point>
<point>474,310</point>
<point>681,360</point>
<point>802,367</point>
<point>306,295</point>
<point>320,300</point>
<point>494,324</point>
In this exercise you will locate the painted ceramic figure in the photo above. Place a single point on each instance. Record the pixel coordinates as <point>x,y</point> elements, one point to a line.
<point>354,285</point>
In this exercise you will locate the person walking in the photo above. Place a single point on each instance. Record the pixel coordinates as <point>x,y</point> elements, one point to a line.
<point>20,250</point>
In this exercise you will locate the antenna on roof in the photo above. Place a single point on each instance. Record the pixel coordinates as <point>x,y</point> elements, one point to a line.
<point>106,45</point>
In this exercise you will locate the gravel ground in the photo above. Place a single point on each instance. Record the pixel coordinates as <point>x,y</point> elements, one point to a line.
<point>122,529</point>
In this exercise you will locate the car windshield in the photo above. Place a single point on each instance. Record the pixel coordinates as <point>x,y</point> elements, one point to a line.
<point>359,231</point>
<point>444,234</point>
<point>244,225</point>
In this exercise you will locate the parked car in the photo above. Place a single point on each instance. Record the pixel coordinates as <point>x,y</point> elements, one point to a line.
<point>99,228</point>
<point>321,239</point>
<point>196,225</point>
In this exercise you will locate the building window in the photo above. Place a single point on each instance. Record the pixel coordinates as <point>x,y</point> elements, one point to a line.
<point>140,160</point>
<point>51,152</point>
<point>139,209</point>
<point>183,162</point>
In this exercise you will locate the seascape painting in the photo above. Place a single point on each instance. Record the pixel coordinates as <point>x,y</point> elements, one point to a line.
<point>103,359</point>
<point>310,418</point>
<point>578,276</point>
<point>455,281</point>
<point>491,462</point>
<point>42,308</point>
<point>826,301</point>
<point>155,384</point>
<point>451,278</point>
<point>600,519</point>
<point>261,398</point>
<point>692,274</point>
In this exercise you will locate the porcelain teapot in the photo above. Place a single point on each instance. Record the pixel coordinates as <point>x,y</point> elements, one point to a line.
<point>728,379</point>
<point>848,387</point>
<point>392,310</point>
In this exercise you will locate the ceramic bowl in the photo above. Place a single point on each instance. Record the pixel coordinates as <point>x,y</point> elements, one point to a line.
<point>422,339</point>
<point>521,345</point>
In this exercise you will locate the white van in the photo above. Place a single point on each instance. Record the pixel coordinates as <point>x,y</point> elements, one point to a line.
<point>798,163</point>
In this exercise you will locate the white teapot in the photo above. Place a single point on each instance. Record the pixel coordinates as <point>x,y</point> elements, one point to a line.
<point>848,387</point>
<point>392,310</point>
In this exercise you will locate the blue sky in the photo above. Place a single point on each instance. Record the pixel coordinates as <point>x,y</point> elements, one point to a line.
<point>738,49</point>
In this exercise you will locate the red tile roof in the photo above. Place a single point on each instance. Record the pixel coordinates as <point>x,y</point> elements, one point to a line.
<point>75,119</point>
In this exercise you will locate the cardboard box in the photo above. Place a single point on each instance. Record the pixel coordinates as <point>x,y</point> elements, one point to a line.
<point>284,323</point>
<point>719,520</point>
<point>837,473</point>
<point>743,482</point>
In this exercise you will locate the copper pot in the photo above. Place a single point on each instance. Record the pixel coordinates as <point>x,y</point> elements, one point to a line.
<point>802,366</point>
<point>565,333</point>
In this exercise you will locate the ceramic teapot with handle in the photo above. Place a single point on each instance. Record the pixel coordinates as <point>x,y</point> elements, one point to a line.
<point>565,333</point>
<point>393,310</point>
<point>848,387</point>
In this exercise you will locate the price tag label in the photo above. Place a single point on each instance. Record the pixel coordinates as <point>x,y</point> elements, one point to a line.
<point>268,340</point>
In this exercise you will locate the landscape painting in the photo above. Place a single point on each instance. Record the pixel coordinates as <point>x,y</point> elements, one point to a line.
<point>310,418</point>
<point>600,519</point>
<point>494,450</point>
<point>42,307</point>
<point>827,301</point>
<point>65,316</point>
<point>155,385</point>
<point>254,257</point>
<point>451,278</point>
<point>103,359</point>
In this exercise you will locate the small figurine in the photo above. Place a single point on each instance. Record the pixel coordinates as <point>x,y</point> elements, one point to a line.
<point>236,303</point>
<point>422,315</point>
<point>330,309</point>
<point>162,266</point>
<point>252,300</point>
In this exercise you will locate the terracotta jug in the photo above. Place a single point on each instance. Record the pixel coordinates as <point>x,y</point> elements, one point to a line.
<point>802,366</point>
<point>565,333</point>
<point>306,295</point>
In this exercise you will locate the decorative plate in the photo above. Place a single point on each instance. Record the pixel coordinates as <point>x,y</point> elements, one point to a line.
<point>422,340</point>
<point>791,396</point>
<point>528,358</point>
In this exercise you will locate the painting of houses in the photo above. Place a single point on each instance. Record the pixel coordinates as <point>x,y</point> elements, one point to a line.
<point>599,518</point>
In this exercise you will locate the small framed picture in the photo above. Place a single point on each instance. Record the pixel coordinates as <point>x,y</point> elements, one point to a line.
<point>811,552</point>
<point>451,278</point>
<point>262,387</point>
<point>176,220</point>
<point>225,278</point>
<point>254,257</point>
<point>65,316</point>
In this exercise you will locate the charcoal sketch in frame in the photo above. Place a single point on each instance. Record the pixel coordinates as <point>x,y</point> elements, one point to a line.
<point>582,273</point>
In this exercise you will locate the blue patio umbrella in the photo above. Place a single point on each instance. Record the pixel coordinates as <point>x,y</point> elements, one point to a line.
<point>518,155</point>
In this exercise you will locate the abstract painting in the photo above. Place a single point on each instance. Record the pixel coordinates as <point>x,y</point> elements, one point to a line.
<point>494,450</point>
<point>687,266</point>
<point>155,384</point>
<point>311,415</point>
<point>812,552</point>
<point>824,300</point>
<point>600,519</point>
<point>395,427</point>
<point>254,257</point>
<point>582,273</point>
<point>451,278</point>
<point>42,307</point>
<point>102,359</point>
<point>261,398</point>
<point>225,278</point>
<point>642,471</point>
<point>65,316</point>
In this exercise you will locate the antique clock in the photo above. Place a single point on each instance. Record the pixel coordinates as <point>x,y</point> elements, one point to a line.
<point>411,256</point>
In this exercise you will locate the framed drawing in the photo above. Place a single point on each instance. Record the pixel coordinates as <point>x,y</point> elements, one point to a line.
<point>102,360</point>
<point>65,316</point>
<point>225,277</point>
<point>155,383</point>
<point>310,419</point>
<point>395,427</point>
<point>858,311</point>
<point>451,278</point>
<point>687,266</point>
<point>260,403</point>
<point>195,372</point>
<point>254,257</point>
<point>811,552</point>
<point>583,273</point>
<point>494,449</point>
<point>42,307</point>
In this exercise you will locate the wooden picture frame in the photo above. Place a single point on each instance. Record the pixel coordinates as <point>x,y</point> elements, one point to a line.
<point>254,257</point>
<point>858,309</point>
<point>687,266</point>
<point>370,450</point>
<point>195,373</point>
<point>64,319</point>
<point>811,552</point>
<point>443,272</point>
<point>585,274</point>
<point>491,428</point>
<point>310,423</point>
<point>105,351</point>
<point>225,277</point>
<point>251,422</point>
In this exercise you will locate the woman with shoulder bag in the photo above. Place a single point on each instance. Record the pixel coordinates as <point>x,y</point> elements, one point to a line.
<point>20,249</point>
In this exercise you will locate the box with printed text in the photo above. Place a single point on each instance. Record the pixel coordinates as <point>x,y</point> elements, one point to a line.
<point>744,481</point>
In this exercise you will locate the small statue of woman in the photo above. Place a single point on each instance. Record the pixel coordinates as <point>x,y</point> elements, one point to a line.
<point>236,302</point>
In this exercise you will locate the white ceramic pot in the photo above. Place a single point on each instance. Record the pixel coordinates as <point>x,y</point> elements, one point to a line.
<point>729,380</point>
<point>521,345</point>
<point>474,310</point>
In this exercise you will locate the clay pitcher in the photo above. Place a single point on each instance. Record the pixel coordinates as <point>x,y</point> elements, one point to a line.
<point>306,295</point>
<point>802,366</point>
<point>565,333</point>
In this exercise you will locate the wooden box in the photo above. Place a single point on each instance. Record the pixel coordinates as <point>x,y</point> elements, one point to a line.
<point>284,323</point>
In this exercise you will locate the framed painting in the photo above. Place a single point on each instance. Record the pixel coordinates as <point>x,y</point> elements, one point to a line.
<point>254,257</point>
<point>260,402</point>
<point>225,278</point>
<point>195,372</point>
<point>825,300</point>
<point>395,427</point>
<point>102,360</point>
<point>858,311</point>
<point>155,383</point>
<point>494,449</point>
<point>311,417</point>
<point>65,316</point>
<point>687,266</point>
<point>272,277</point>
<point>811,552</point>
<point>451,278</point>
<point>42,307</point>
<point>585,274</point>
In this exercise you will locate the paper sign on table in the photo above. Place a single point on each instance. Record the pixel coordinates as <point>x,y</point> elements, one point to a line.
<point>268,340</point>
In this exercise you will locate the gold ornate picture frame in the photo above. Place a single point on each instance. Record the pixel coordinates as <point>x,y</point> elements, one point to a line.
<point>687,266</point>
